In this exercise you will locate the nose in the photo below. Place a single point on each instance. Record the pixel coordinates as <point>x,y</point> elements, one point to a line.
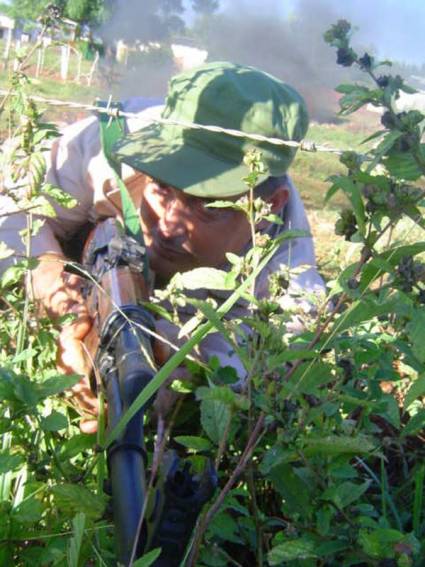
<point>172,223</point>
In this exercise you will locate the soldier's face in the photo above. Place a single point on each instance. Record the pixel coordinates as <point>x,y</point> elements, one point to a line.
<point>181,233</point>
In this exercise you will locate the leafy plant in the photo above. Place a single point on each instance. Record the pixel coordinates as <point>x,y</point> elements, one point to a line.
<point>319,449</point>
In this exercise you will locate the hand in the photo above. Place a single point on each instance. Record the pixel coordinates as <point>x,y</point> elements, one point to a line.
<point>59,293</point>
<point>56,292</point>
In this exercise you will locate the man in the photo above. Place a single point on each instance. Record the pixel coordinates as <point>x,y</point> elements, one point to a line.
<point>172,172</point>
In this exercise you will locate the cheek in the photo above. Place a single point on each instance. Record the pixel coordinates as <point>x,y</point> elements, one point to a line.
<point>211,241</point>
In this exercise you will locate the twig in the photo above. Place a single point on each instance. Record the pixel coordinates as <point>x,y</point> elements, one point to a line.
<point>240,467</point>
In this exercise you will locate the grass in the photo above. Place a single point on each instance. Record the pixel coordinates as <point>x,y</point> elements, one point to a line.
<point>310,173</point>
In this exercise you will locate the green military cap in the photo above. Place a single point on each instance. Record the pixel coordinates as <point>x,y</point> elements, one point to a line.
<point>210,164</point>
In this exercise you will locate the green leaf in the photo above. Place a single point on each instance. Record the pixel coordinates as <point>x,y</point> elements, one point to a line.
<point>72,498</point>
<point>309,377</point>
<point>276,456</point>
<point>337,445</point>
<point>346,493</point>
<point>223,394</point>
<point>380,543</point>
<point>26,391</point>
<point>225,527</point>
<point>12,275</point>
<point>292,550</point>
<point>224,205</point>
<point>56,385</point>
<point>295,492</point>
<point>215,419</point>
<point>29,511</point>
<point>332,547</point>
<point>360,311</point>
<point>402,165</point>
<point>414,330</point>
<point>415,424</point>
<point>74,545</point>
<point>148,558</point>
<point>76,445</point>
<point>41,206</point>
<point>205,278</point>
<point>416,390</point>
<point>274,219</point>
<point>193,442</point>
<point>54,422</point>
<point>385,146</point>
<point>276,360</point>
<point>373,136</point>
<point>10,462</point>
<point>59,196</point>
<point>394,255</point>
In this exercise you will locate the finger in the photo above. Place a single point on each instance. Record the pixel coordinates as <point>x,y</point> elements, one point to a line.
<point>88,426</point>
<point>72,357</point>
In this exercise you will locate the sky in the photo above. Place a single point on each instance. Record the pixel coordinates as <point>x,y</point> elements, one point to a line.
<point>395,28</point>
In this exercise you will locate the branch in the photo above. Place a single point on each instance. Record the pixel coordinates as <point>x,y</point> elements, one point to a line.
<point>240,467</point>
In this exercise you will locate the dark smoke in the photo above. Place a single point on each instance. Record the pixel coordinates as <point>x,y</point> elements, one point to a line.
<point>254,32</point>
<point>291,49</point>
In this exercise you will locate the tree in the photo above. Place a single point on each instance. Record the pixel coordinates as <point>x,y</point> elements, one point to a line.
<point>150,20</point>
<point>82,11</point>
<point>27,9</point>
<point>85,11</point>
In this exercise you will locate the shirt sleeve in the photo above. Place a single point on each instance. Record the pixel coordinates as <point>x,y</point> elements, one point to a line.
<point>69,165</point>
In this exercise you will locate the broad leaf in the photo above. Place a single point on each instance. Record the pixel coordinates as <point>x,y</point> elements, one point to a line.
<point>337,445</point>
<point>194,443</point>
<point>205,278</point>
<point>415,424</point>
<point>292,550</point>
<point>346,493</point>
<point>72,498</point>
<point>415,331</point>
<point>57,384</point>
<point>416,390</point>
<point>54,422</point>
<point>215,419</point>
<point>10,462</point>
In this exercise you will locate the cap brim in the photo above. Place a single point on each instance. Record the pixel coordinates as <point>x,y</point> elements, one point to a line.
<point>175,162</point>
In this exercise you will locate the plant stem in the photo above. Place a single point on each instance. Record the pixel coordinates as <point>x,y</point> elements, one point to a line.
<point>257,520</point>
<point>240,467</point>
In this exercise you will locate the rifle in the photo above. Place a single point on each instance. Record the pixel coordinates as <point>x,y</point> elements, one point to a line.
<point>121,347</point>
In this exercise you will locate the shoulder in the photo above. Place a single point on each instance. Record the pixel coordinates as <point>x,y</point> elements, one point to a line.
<point>145,110</point>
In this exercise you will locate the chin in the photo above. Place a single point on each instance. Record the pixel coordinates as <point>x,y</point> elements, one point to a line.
<point>164,269</point>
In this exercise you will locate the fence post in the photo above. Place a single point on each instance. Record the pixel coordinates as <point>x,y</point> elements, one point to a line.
<point>65,54</point>
<point>92,70</point>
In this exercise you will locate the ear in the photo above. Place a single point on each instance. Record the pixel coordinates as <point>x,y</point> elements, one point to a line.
<point>278,199</point>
